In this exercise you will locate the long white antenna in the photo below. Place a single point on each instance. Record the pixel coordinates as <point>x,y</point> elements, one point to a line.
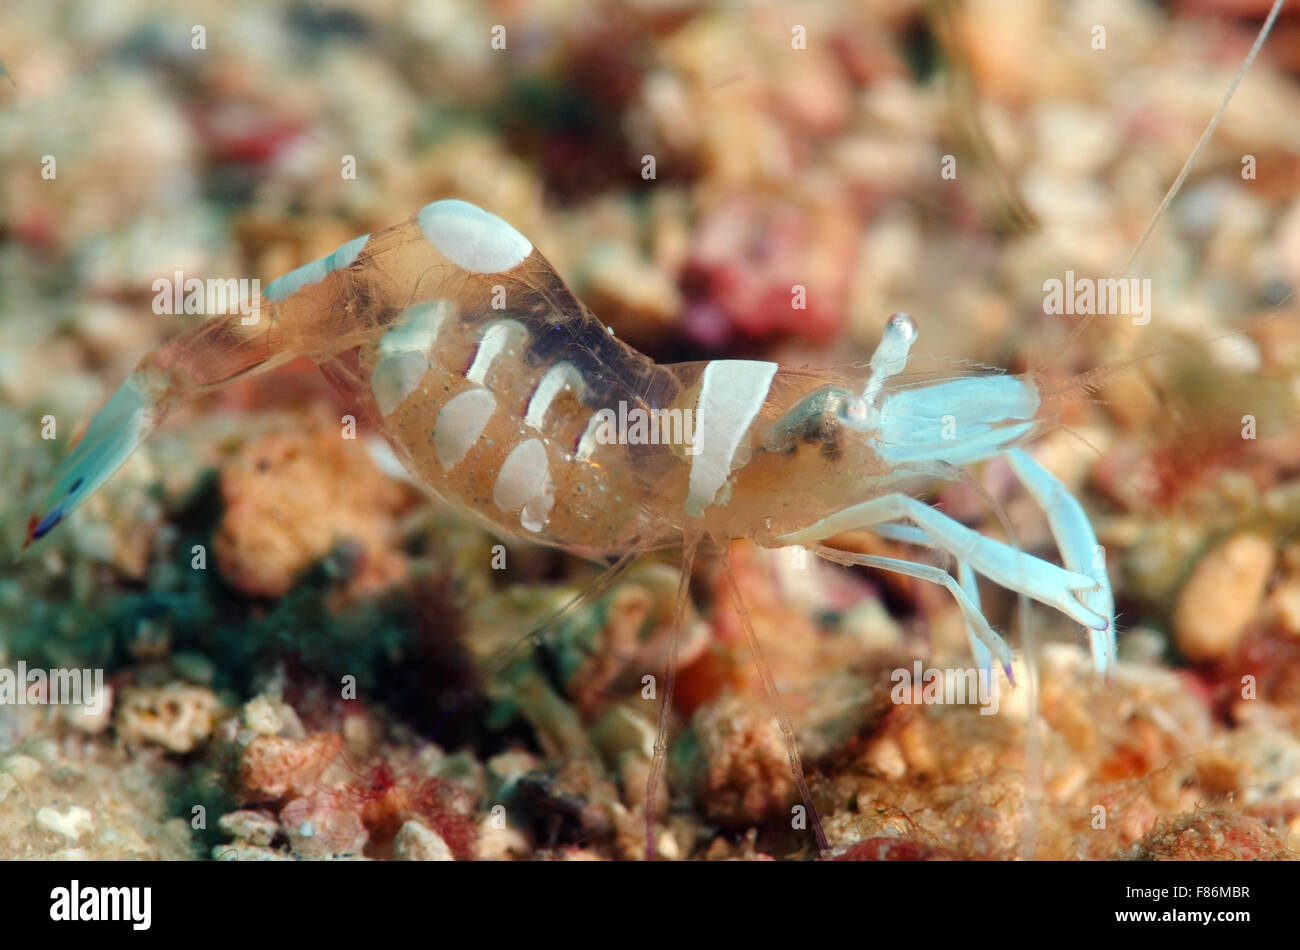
<point>1205,136</point>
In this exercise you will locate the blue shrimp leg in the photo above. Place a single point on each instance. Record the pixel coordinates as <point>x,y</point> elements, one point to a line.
<point>975,619</point>
<point>210,355</point>
<point>114,433</point>
<point>1001,563</point>
<point>966,577</point>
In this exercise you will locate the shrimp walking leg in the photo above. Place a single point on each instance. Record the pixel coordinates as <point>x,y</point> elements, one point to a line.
<point>778,709</point>
<point>975,619</point>
<point>1076,539</point>
<point>666,704</point>
<point>1001,563</point>
<point>966,578</point>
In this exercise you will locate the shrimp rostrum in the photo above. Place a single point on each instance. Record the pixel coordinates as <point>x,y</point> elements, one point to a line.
<point>505,396</point>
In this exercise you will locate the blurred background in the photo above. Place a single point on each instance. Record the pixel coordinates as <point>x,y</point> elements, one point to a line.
<point>683,165</point>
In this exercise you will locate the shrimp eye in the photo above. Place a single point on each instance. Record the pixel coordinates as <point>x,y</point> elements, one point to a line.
<point>854,412</point>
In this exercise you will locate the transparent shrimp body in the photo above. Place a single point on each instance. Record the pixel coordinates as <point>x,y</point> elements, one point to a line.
<point>506,397</point>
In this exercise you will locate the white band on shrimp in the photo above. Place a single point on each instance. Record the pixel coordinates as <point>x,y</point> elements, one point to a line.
<point>731,394</point>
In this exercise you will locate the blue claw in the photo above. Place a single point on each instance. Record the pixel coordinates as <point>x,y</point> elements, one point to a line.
<point>1080,552</point>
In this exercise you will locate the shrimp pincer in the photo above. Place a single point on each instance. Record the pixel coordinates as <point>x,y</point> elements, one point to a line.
<point>505,396</point>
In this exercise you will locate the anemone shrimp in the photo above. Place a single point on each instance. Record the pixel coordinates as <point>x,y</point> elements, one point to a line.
<point>495,386</point>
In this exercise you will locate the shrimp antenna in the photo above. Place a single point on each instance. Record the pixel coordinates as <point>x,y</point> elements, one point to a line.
<point>1172,193</point>
<point>1205,136</point>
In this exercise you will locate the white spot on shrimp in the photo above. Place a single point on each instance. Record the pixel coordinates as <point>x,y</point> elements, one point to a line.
<point>559,378</point>
<point>588,443</point>
<point>404,353</point>
<point>284,287</point>
<point>313,273</point>
<point>460,423</point>
<point>524,482</point>
<point>494,342</point>
<point>395,377</point>
<point>472,238</point>
<point>416,330</point>
<point>347,253</point>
